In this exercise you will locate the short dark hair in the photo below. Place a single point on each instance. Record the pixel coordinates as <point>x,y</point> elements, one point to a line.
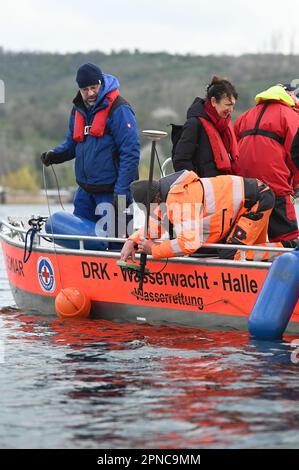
<point>219,87</point>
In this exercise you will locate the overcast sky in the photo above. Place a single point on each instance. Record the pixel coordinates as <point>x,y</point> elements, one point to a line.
<point>176,26</point>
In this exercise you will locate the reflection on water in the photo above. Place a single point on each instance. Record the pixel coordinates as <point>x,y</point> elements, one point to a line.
<point>97,384</point>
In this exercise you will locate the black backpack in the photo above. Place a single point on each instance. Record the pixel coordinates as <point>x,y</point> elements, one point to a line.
<point>176,132</point>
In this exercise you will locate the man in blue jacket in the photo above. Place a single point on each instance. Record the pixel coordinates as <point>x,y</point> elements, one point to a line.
<point>103,138</point>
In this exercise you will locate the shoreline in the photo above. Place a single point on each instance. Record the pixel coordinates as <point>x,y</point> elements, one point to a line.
<point>9,197</point>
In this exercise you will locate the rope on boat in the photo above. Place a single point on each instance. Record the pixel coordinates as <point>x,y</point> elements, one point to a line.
<point>50,214</point>
<point>162,269</point>
<point>58,188</point>
<point>36,224</point>
<point>27,252</point>
<point>226,301</point>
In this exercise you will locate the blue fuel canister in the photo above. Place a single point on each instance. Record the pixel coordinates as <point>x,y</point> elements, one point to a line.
<point>65,223</point>
<point>277,298</point>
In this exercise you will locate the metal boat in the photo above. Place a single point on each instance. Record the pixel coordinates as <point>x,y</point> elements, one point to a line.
<point>200,291</point>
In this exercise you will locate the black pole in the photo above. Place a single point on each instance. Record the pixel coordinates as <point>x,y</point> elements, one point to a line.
<point>143,256</point>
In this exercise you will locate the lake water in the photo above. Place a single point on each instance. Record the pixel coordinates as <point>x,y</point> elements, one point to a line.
<point>101,385</point>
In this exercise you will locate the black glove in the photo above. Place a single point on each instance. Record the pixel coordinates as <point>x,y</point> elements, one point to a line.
<point>296,193</point>
<point>47,158</point>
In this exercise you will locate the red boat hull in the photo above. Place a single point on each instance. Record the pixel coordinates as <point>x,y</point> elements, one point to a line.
<point>194,292</point>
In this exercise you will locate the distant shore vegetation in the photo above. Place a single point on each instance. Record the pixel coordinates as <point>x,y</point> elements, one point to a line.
<point>39,89</point>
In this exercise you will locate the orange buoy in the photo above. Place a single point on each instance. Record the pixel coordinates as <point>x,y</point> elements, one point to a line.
<point>72,303</point>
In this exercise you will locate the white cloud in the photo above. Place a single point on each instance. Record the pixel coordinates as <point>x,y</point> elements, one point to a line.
<point>195,26</point>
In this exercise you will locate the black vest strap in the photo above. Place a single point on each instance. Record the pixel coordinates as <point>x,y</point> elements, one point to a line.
<point>264,133</point>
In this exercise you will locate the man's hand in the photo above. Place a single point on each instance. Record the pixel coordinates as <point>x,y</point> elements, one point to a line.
<point>296,193</point>
<point>47,158</point>
<point>128,251</point>
<point>145,246</point>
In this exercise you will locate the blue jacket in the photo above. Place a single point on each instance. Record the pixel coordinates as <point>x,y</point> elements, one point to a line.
<point>108,163</point>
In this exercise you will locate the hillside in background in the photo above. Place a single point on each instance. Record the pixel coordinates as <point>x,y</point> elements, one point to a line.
<point>39,89</point>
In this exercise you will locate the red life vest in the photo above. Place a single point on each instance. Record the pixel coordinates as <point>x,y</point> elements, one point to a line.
<point>99,121</point>
<point>221,157</point>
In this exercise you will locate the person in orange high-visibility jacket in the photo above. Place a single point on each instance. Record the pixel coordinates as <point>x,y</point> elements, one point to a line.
<point>228,209</point>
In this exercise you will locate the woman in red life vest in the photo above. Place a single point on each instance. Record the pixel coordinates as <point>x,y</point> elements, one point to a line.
<point>207,144</point>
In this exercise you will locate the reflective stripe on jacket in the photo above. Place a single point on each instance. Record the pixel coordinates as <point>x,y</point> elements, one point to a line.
<point>201,210</point>
<point>224,199</point>
<point>251,255</point>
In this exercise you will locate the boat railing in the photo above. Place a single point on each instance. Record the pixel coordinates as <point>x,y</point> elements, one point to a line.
<point>44,235</point>
<point>13,229</point>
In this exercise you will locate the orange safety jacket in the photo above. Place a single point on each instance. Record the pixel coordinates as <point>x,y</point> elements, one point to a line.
<point>221,156</point>
<point>202,210</point>
<point>97,128</point>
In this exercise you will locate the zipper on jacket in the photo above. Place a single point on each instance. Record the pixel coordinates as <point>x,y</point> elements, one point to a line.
<point>219,148</point>
<point>83,164</point>
<point>88,121</point>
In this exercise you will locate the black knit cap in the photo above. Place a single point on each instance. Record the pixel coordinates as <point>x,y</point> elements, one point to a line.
<point>88,74</point>
<point>140,190</point>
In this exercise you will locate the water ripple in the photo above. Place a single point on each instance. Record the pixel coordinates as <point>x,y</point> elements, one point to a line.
<point>96,384</point>
<point>107,385</point>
